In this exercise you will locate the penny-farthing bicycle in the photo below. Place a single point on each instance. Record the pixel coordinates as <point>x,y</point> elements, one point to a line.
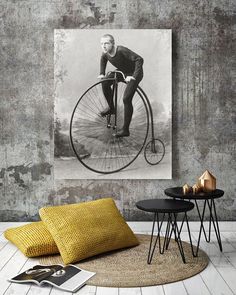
<point>93,136</point>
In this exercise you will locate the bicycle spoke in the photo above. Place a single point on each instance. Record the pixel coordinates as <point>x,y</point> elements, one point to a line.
<point>93,116</point>
<point>90,104</point>
<point>94,97</point>
<point>100,98</point>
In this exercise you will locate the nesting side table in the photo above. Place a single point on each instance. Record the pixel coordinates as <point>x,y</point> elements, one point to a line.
<point>170,208</point>
<point>209,201</point>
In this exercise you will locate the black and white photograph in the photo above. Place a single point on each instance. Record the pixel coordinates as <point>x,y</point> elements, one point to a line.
<point>113,104</point>
<point>117,147</point>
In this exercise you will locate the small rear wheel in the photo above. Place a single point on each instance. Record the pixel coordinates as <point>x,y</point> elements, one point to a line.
<point>154,151</point>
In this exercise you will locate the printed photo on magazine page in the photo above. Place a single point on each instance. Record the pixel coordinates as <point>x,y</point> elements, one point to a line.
<point>68,278</point>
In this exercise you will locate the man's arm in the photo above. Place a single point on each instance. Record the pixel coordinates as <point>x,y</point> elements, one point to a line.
<point>103,64</point>
<point>137,59</point>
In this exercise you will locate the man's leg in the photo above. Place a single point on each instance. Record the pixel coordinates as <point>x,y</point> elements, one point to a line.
<point>108,93</point>
<point>128,107</point>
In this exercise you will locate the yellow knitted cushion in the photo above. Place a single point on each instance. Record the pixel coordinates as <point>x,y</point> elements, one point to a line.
<point>32,239</point>
<point>87,229</point>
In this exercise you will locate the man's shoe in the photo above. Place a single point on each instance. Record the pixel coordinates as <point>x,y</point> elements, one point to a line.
<point>107,111</point>
<point>122,133</point>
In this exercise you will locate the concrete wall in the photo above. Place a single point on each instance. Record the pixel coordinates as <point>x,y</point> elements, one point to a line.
<point>203,99</point>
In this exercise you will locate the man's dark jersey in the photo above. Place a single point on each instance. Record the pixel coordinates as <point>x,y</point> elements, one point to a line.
<point>125,60</point>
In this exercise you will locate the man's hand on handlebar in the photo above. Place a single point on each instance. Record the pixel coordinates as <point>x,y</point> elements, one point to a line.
<point>129,78</point>
<point>101,76</point>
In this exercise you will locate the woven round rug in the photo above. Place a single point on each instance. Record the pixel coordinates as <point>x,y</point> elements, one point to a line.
<point>129,268</point>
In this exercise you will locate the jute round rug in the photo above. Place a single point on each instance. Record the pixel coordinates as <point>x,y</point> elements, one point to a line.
<point>129,268</point>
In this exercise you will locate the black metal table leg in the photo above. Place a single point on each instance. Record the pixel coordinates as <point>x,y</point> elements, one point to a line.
<point>189,234</point>
<point>178,238</point>
<point>170,231</point>
<point>201,217</point>
<point>214,220</point>
<point>158,238</point>
<point>166,239</point>
<point>180,230</point>
<point>150,246</point>
<point>209,229</point>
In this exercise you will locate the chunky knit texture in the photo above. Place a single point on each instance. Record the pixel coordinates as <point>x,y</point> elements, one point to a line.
<point>32,239</point>
<point>87,229</point>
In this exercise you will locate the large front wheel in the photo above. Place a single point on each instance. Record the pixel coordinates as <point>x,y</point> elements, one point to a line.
<point>93,137</point>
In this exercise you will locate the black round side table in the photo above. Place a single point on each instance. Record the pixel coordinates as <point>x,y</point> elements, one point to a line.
<point>209,201</point>
<point>170,208</point>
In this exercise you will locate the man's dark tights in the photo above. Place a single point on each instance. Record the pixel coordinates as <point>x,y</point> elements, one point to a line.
<point>127,99</point>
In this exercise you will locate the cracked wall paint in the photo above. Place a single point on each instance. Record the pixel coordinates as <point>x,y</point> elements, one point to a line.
<point>203,100</point>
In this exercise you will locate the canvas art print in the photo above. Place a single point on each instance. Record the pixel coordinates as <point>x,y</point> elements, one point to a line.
<point>112,104</point>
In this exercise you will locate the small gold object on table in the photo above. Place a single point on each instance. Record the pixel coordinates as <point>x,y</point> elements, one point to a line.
<point>207,182</point>
<point>186,189</point>
<point>196,188</point>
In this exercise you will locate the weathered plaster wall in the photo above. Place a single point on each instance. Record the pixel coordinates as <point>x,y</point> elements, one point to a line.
<point>203,99</point>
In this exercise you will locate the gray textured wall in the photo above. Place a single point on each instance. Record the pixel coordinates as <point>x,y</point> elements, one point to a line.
<point>203,99</point>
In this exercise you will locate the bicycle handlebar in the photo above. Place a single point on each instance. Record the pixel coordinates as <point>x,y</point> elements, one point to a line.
<point>116,71</point>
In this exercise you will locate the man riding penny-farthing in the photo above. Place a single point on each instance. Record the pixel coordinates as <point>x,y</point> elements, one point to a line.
<point>110,122</point>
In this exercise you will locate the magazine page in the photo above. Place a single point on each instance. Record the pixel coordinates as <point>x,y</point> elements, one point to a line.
<point>36,274</point>
<point>69,278</point>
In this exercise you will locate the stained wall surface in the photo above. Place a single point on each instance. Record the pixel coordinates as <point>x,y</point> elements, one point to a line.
<point>203,100</point>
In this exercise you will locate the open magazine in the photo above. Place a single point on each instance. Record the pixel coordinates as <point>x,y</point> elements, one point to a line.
<point>68,278</point>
